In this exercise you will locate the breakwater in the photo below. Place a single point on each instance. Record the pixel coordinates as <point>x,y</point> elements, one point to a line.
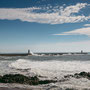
<point>25,54</point>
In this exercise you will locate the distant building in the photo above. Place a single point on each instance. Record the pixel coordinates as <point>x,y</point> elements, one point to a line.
<point>29,53</point>
<point>81,51</point>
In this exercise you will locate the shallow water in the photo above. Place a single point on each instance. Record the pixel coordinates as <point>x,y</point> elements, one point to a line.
<point>49,67</point>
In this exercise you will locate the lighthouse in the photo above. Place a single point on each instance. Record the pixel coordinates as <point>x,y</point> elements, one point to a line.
<point>81,51</point>
<point>28,52</point>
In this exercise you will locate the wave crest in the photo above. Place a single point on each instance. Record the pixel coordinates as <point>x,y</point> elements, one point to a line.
<point>20,64</point>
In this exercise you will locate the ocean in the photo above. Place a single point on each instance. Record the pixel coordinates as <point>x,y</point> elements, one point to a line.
<point>49,67</point>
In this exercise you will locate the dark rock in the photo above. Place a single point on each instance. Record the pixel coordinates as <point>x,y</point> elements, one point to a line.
<point>70,89</point>
<point>0,78</point>
<point>68,76</point>
<point>46,81</point>
<point>18,78</point>
<point>83,74</point>
<point>78,75</point>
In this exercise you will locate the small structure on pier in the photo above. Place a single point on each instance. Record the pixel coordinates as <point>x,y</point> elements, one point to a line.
<point>82,52</point>
<point>29,53</point>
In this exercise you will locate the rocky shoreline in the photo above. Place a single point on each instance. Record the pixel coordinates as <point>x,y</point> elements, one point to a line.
<point>36,82</point>
<point>79,75</point>
<point>21,79</point>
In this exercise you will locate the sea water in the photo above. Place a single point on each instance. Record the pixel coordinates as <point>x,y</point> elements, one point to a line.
<point>49,67</point>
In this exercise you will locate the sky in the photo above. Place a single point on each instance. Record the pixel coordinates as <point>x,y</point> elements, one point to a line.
<point>44,25</point>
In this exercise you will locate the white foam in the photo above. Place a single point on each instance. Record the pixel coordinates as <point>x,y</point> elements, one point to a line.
<point>20,64</point>
<point>51,68</point>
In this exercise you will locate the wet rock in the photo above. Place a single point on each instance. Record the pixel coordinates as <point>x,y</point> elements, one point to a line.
<point>46,81</point>
<point>83,74</point>
<point>18,78</point>
<point>79,75</point>
<point>68,76</point>
<point>0,77</point>
<point>70,89</point>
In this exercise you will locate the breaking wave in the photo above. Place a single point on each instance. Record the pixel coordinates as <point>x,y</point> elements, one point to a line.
<point>51,68</point>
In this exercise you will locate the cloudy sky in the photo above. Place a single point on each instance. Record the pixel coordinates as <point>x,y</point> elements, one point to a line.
<point>44,25</point>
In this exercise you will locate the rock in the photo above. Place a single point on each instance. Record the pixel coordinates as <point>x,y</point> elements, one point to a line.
<point>18,78</point>
<point>46,81</point>
<point>79,75</point>
<point>68,76</point>
<point>70,89</point>
<point>83,74</point>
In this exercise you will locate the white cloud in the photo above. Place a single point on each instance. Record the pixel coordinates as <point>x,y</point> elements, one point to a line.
<point>81,31</point>
<point>62,15</point>
<point>72,9</point>
<point>87,25</point>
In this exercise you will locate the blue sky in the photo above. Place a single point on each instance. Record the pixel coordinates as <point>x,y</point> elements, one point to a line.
<point>44,25</point>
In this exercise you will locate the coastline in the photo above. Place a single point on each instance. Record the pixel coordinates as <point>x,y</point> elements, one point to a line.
<point>39,66</point>
<point>51,86</point>
<point>40,54</point>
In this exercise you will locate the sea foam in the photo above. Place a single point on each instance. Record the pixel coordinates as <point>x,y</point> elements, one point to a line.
<point>51,68</point>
